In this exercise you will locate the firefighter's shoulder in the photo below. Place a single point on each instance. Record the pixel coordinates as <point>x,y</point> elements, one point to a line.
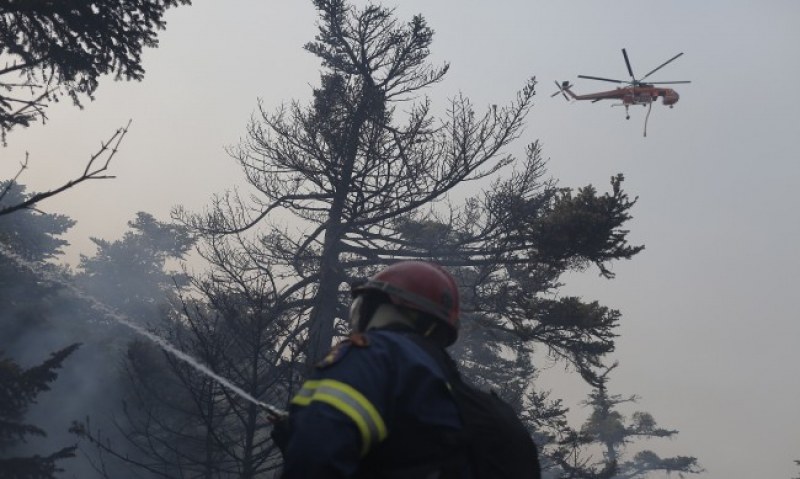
<point>338,352</point>
<point>410,357</point>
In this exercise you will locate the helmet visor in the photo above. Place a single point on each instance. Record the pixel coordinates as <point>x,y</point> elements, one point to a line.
<point>356,313</point>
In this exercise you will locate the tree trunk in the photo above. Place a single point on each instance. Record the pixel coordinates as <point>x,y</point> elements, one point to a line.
<point>323,312</point>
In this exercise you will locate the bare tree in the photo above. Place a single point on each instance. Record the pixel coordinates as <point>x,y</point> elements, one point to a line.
<point>179,423</point>
<point>95,169</point>
<point>346,166</point>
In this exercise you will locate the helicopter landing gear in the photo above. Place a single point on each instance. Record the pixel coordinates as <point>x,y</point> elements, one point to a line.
<point>627,113</point>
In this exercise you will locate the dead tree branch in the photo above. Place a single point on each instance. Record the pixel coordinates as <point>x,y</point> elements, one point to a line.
<point>95,170</point>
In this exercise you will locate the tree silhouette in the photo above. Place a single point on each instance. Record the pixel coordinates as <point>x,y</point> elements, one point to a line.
<point>367,160</point>
<point>34,237</point>
<point>19,389</point>
<point>52,49</point>
<point>364,175</point>
<point>609,429</point>
<point>95,169</point>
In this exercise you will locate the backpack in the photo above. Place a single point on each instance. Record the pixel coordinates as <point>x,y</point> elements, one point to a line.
<point>497,443</point>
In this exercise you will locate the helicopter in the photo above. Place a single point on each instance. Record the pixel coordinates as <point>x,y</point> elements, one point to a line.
<point>637,91</point>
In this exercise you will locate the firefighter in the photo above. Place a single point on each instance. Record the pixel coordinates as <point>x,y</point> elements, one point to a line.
<point>378,405</point>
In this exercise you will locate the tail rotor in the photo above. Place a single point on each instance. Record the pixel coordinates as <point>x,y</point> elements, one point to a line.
<point>562,89</point>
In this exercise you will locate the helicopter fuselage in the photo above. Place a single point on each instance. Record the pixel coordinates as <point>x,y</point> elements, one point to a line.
<point>633,95</point>
<point>638,92</point>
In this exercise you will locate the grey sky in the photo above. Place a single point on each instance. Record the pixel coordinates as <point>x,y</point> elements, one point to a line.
<point>710,330</point>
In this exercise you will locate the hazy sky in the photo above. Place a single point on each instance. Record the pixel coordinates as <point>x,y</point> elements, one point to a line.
<point>710,330</point>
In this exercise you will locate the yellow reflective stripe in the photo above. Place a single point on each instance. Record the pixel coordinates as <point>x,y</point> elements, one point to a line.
<point>348,401</point>
<point>353,414</point>
<point>304,395</point>
<point>348,393</point>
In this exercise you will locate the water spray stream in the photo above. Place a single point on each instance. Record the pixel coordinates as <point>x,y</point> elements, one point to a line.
<point>273,412</point>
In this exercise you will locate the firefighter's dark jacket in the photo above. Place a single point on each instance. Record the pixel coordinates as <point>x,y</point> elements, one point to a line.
<point>360,400</point>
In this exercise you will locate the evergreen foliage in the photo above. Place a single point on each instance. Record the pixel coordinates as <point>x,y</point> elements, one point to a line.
<point>55,48</point>
<point>34,237</point>
<point>367,170</point>
<point>128,275</point>
<point>367,162</point>
<point>19,388</point>
<point>611,431</point>
<point>132,274</point>
<point>31,234</point>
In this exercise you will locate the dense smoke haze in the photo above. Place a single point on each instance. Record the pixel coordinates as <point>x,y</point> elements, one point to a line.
<point>688,345</point>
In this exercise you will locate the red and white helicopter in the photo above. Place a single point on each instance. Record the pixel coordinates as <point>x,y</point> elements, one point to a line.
<point>637,91</point>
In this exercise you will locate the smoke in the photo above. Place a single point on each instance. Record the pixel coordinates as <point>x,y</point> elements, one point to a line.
<point>107,312</point>
<point>50,313</point>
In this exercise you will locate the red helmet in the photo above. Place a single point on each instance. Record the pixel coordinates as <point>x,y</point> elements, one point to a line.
<point>422,286</point>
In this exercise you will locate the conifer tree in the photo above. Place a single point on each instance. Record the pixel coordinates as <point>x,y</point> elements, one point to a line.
<point>132,274</point>
<point>367,161</point>
<point>19,389</point>
<point>51,49</point>
<point>36,238</point>
<point>611,431</point>
<point>364,173</point>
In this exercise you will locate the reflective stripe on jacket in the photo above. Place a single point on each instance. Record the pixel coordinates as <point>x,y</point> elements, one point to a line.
<point>348,401</point>
<point>356,400</point>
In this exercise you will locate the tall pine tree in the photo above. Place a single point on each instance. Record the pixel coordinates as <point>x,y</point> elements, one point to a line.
<point>364,174</point>
<point>366,161</point>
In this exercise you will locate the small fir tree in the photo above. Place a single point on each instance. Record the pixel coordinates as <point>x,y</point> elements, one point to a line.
<point>19,389</point>
<point>609,429</point>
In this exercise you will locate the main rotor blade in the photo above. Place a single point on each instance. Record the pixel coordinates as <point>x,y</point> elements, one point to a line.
<point>667,82</point>
<point>602,79</point>
<point>661,66</point>
<point>628,64</point>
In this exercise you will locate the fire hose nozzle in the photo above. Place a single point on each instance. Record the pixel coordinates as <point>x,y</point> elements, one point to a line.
<point>273,413</point>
